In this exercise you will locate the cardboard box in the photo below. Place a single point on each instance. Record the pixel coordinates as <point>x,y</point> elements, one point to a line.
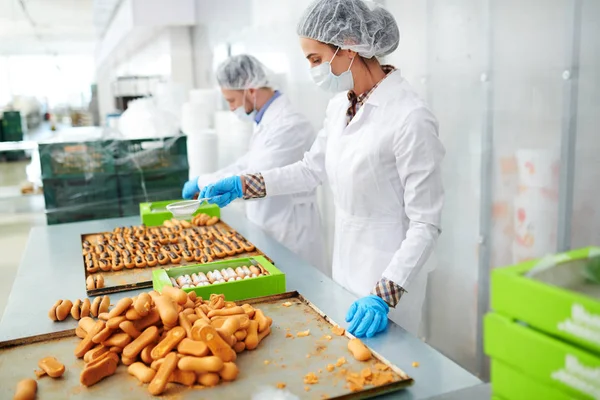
<point>155,213</point>
<point>269,285</point>
<point>558,299</point>
<point>551,362</point>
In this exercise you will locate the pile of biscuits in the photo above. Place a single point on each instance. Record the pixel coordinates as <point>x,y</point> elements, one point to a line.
<point>224,275</point>
<point>78,309</point>
<point>173,337</point>
<point>174,242</point>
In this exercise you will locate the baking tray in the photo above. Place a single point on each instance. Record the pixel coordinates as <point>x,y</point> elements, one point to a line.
<point>277,360</point>
<point>139,278</point>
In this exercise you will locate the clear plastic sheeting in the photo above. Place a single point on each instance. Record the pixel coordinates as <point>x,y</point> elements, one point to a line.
<point>106,176</point>
<point>581,276</point>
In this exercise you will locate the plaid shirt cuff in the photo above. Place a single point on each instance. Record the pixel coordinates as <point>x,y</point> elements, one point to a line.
<point>388,291</point>
<point>255,186</point>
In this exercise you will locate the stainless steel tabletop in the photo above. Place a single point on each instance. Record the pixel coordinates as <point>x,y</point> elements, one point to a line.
<point>51,269</point>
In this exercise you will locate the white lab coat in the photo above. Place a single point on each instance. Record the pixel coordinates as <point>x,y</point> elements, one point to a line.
<point>384,171</point>
<point>281,138</point>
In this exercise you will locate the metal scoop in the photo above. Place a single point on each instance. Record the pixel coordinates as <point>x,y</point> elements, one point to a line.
<point>184,209</point>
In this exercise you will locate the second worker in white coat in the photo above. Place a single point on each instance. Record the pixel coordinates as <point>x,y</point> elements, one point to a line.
<point>379,150</point>
<point>281,136</point>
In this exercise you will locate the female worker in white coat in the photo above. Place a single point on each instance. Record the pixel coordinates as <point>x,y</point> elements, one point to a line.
<point>281,136</point>
<point>380,151</point>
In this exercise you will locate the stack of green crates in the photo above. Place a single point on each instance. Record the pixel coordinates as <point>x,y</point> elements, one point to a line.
<point>11,130</point>
<point>543,336</point>
<point>151,170</point>
<point>80,181</point>
<point>108,179</point>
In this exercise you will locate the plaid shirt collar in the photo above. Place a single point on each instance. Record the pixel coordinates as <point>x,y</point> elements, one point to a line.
<point>356,102</point>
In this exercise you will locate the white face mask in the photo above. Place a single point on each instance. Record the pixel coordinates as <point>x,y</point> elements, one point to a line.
<point>324,77</point>
<point>241,113</point>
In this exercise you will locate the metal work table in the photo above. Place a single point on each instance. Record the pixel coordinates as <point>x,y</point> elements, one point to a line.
<point>52,269</point>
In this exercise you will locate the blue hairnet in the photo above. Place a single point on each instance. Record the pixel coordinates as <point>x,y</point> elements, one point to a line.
<point>364,27</point>
<point>242,72</point>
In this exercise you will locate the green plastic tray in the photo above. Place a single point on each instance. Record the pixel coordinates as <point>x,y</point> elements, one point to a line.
<point>155,213</point>
<point>569,315</point>
<point>512,384</point>
<point>553,363</point>
<point>239,290</point>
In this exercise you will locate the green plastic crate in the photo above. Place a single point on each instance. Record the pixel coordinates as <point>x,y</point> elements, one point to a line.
<point>74,160</point>
<point>234,291</point>
<point>98,190</point>
<point>17,155</point>
<point>569,315</point>
<point>512,384</point>
<point>156,154</point>
<point>551,362</point>
<point>82,213</point>
<point>155,213</point>
<point>12,130</point>
<point>136,188</point>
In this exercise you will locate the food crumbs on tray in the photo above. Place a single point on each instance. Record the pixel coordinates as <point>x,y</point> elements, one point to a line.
<point>381,367</point>
<point>355,382</point>
<point>330,367</point>
<point>308,356</point>
<point>337,330</point>
<point>281,385</point>
<point>311,378</point>
<point>382,378</point>
<point>324,396</point>
<point>289,335</point>
<point>287,304</point>
<point>341,361</point>
<point>320,371</point>
<point>267,362</point>
<point>303,333</point>
<point>306,388</point>
<point>366,373</point>
<point>327,337</point>
<point>415,364</point>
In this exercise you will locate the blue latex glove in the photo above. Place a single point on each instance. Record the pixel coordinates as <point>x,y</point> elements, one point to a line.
<point>367,316</point>
<point>223,192</point>
<point>190,189</point>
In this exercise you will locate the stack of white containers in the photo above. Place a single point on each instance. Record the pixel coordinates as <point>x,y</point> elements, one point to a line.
<point>197,122</point>
<point>234,137</point>
<point>536,204</point>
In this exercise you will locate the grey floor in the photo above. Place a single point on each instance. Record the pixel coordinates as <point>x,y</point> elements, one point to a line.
<point>18,214</point>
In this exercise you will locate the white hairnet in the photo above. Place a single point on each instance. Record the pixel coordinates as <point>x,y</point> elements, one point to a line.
<point>361,26</point>
<point>242,72</point>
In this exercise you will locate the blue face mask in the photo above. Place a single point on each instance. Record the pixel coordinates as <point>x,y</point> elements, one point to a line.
<point>324,77</point>
<point>241,113</point>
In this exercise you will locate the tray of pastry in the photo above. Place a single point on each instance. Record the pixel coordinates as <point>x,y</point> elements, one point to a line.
<point>272,347</point>
<point>124,259</point>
